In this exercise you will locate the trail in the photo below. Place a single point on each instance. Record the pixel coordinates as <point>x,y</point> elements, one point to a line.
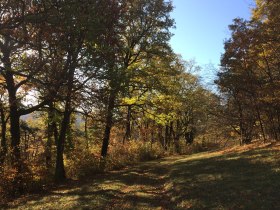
<point>135,187</point>
<point>237,179</point>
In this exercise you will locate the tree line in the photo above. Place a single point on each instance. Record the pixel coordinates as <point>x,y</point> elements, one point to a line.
<point>89,82</point>
<point>249,74</point>
<point>106,65</point>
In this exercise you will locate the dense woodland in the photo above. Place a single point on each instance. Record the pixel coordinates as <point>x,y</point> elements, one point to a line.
<point>87,86</point>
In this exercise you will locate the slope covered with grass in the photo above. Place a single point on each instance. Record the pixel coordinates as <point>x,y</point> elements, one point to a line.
<point>239,178</point>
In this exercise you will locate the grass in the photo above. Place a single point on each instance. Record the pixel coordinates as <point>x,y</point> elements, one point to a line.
<point>239,178</point>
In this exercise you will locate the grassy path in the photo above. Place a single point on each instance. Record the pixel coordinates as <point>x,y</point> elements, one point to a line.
<point>239,179</point>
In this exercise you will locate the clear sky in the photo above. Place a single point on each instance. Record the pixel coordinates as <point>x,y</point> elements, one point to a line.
<point>202,27</point>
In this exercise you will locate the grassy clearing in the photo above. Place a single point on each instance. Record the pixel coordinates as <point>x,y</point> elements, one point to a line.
<point>240,178</point>
<point>236,179</point>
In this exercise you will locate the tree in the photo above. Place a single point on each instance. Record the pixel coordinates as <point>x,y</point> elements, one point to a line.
<point>143,33</point>
<point>21,62</point>
<point>250,72</point>
<point>74,54</point>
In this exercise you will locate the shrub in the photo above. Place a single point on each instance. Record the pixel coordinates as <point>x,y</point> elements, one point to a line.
<point>82,163</point>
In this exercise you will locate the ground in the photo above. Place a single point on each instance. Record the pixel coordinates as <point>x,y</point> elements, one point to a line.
<point>238,178</point>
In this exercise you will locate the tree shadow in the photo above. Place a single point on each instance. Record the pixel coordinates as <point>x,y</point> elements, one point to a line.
<point>248,180</point>
<point>137,188</point>
<point>140,187</point>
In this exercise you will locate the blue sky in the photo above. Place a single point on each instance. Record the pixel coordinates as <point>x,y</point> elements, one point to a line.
<point>201,28</point>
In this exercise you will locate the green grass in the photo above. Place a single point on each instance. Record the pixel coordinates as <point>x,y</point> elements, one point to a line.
<point>237,179</point>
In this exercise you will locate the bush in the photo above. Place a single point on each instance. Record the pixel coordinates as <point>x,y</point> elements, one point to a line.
<point>131,152</point>
<point>148,152</point>
<point>82,163</point>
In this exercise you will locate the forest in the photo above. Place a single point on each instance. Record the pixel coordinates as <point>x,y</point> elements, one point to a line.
<point>92,86</point>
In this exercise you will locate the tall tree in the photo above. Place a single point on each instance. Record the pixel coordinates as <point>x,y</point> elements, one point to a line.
<point>143,32</point>
<point>21,62</point>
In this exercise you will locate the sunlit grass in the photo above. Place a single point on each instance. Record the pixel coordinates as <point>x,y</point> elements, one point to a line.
<point>241,178</point>
<point>247,179</point>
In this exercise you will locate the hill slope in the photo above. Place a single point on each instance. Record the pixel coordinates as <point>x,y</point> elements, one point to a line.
<point>240,178</point>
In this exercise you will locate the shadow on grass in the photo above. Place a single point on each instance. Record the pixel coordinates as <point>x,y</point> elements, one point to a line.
<point>248,180</point>
<point>138,188</point>
<point>141,187</point>
<point>244,180</point>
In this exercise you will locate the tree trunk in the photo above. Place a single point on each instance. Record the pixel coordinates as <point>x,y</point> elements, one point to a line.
<point>177,145</point>
<point>4,149</point>
<point>261,124</point>
<point>15,140</point>
<point>60,175</point>
<point>14,117</point>
<point>166,137</point>
<point>278,123</point>
<point>160,137</point>
<point>152,135</point>
<point>127,135</point>
<point>50,131</point>
<point>108,124</point>
<point>177,136</point>
<point>14,123</point>
<point>241,125</point>
<point>55,132</point>
<point>86,131</point>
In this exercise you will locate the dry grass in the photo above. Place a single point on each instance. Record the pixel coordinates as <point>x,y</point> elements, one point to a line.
<point>246,177</point>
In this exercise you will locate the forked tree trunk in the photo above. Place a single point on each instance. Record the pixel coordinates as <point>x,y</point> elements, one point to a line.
<point>13,113</point>
<point>60,175</point>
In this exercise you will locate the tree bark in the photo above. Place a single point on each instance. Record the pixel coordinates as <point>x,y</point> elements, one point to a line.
<point>14,122</point>
<point>60,175</point>
<point>166,137</point>
<point>50,132</point>
<point>108,124</point>
<point>86,131</point>
<point>4,148</point>
<point>70,67</point>
<point>177,136</point>
<point>261,124</point>
<point>127,135</point>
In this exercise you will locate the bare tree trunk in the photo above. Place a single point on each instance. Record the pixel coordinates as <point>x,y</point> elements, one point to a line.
<point>86,131</point>
<point>50,132</point>
<point>108,124</point>
<point>14,123</point>
<point>261,124</point>
<point>177,136</point>
<point>167,137</point>
<point>4,148</point>
<point>60,175</point>
<point>127,135</point>
<point>160,137</point>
